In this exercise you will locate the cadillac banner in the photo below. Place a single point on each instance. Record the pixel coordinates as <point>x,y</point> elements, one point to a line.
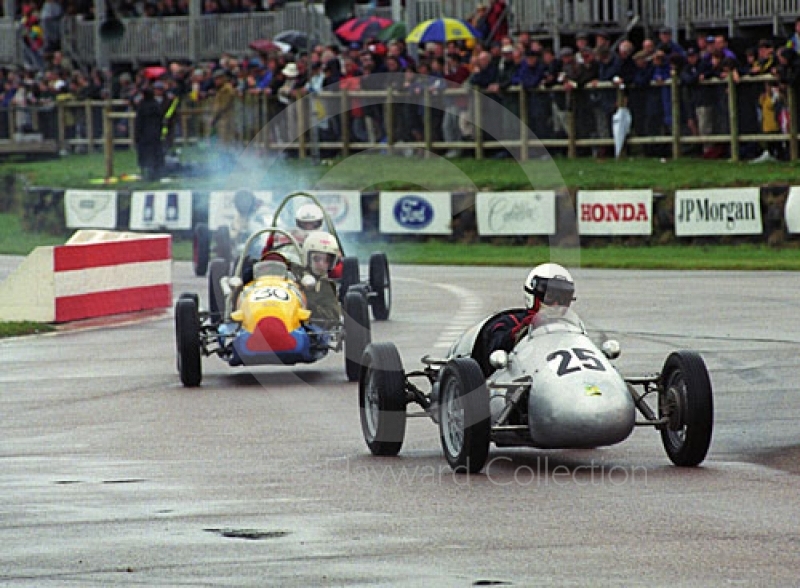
<point>617,212</point>
<point>516,213</point>
<point>720,211</point>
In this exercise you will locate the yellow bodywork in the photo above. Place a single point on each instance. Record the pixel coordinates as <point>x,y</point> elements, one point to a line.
<point>271,296</point>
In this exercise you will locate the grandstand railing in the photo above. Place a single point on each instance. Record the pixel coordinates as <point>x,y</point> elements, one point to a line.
<point>205,37</point>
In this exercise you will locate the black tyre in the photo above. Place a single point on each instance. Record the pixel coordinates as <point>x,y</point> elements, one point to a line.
<point>464,426</point>
<point>216,299</point>
<point>381,286</point>
<point>350,276</point>
<point>686,401</point>
<point>191,296</point>
<point>382,399</point>
<point>357,333</point>
<point>187,334</point>
<point>224,244</point>
<point>201,247</point>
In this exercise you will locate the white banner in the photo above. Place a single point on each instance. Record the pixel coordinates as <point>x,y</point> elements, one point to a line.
<point>343,206</point>
<point>516,213</point>
<point>720,211</point>
<point>425,213</point>
<point>222,209</point>
<point>792,210</point>
<point>615,212</point>
<point>90,209</point>
<point>169,210</point>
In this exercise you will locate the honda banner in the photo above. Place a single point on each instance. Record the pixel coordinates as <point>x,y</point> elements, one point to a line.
<point>615,212</point>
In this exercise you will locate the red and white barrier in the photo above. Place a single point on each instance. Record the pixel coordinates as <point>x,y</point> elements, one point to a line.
<point>96,273</point>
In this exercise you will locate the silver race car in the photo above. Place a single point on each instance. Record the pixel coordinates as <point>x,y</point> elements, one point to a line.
<point>556,389</point>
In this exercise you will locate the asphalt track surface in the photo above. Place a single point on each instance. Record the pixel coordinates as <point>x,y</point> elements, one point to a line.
<point>114,474</point>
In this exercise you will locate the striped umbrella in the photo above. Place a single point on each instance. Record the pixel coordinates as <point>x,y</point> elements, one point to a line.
<point>442,30</point>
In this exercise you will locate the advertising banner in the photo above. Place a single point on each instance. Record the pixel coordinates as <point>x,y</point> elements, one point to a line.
<point>343,206</point>
<point>424,213</point>
<point>615,212</point>
<point>718,211</point>
<point>792,211</point>
<point>516,213</point>
<point>90,209</point>
<point>222,209</point>
<point>161,209</point>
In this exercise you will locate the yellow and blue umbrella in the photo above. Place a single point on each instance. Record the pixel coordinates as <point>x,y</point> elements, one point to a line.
<point>442,30</point>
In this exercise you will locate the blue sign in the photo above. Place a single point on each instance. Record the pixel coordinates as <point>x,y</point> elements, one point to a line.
<point>413,212</point>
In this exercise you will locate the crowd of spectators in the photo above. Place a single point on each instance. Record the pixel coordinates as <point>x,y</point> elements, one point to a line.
<point>588,75</point>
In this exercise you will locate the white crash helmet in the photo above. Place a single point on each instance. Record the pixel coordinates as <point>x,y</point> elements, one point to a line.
<point>309,217</point>
<point>320,243</point>
<point>549,284</point>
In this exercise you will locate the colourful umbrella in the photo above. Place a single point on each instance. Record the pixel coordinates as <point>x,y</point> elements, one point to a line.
<point>397,30</point>
<point>154,72</point>
<point>361,29</point>
<point>442,30</point>
<point>267,46</point>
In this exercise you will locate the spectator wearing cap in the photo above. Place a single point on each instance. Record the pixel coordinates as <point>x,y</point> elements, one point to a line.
<point>667,44</point>
<point>563,71</point>
<point>148,122</point>
<point>455,73</point>
<point>609,67</point>
<point>765,58</point>
<point>581,43</point>
<point>689,76</point>
<point>659,106</point>
<point>712,105</point>
<point>223,116</point>
<point>602,39</point>
<point>530,76</point>
<point>587,100</point>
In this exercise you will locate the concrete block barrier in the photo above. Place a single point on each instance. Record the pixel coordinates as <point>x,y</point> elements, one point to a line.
<point>96,273</point>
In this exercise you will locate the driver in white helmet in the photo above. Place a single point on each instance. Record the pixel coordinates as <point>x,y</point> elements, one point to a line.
<point>548,286</point>
<point>309,217</point>
<point>321,256</point>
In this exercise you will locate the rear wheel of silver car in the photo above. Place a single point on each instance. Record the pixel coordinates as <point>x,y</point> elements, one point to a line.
<point>686,401</point>
<point>381,285</point>
<point>382,399</point>
<point>357,332</point>
<point>464,426</point>
<point>187,332</point>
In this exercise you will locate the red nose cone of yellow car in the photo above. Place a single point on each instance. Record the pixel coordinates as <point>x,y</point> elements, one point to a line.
<point>271,335</point>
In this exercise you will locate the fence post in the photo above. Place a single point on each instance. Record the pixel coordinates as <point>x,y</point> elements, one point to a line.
<point>792,124</point>
<point>301,127</point>
<point>345,121</point>
<point>427,122</point>
<point>108,140</point>
<point>89,127</point>
<point>733,118</point>
<point>477,123</point>
<point>62,127</point>
<point>524,127</point>
<point>675,104</point>
<point>389,116</point>
<point>572,132</point>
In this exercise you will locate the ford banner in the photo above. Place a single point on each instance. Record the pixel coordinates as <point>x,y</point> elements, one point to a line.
<point>425,213</point>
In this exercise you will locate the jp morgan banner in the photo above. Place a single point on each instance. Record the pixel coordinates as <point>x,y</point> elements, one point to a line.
<point>721,211</point>
<point>516,213</point>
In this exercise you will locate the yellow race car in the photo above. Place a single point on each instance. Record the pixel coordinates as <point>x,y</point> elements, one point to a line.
<point>266,318</point>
